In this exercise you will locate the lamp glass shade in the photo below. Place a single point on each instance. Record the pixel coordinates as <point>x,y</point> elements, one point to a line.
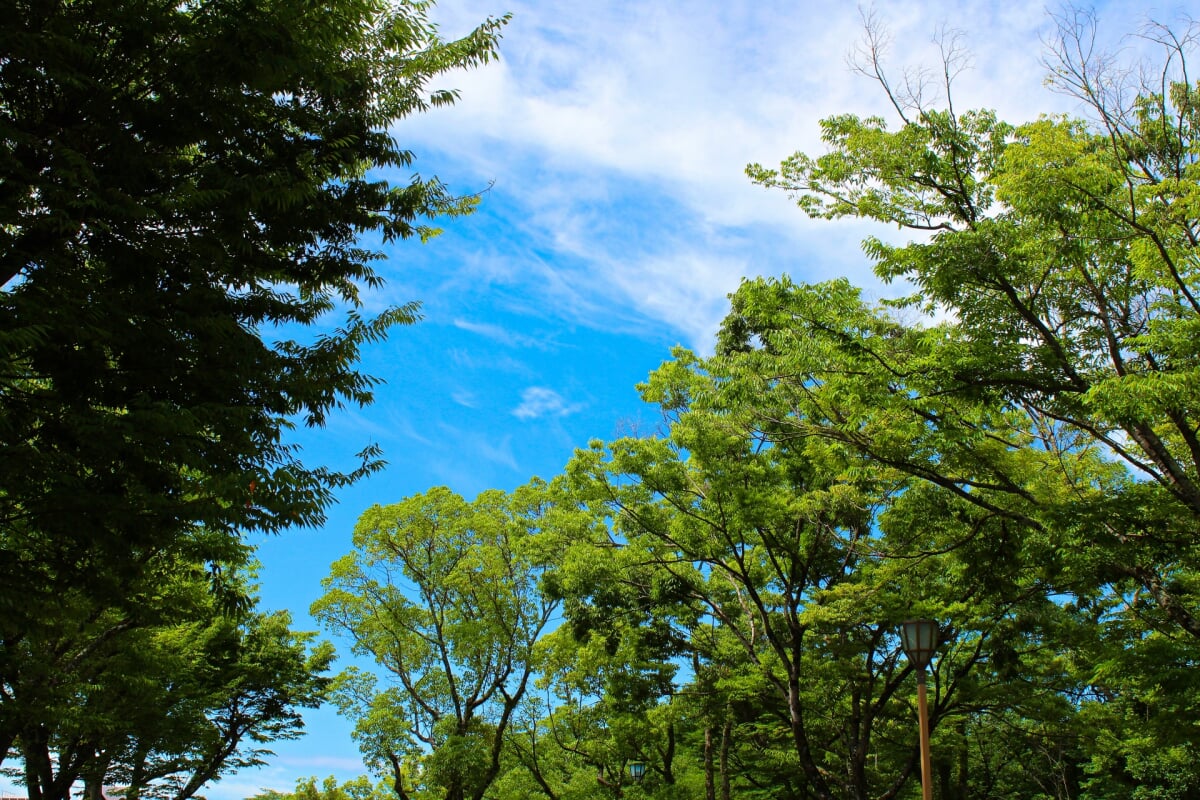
<point>637,770</point>
<point>918,637</point>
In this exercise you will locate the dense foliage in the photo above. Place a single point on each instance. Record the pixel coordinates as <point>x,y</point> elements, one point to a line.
<point>444,595</point>
<point>187,190</point>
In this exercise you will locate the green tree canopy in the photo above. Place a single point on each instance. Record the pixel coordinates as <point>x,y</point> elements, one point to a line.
<point>1062,254</point>
<point>181,183</point>
<point>161,703</point>
<point>446,596</point>
<point>189,195</point>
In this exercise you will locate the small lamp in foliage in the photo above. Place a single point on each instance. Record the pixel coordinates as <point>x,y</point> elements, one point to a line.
<point>918,638</point>
<point>637,770</point>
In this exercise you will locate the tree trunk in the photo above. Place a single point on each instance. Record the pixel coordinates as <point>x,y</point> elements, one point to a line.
<point>726,730</point>
<point>710,789</point>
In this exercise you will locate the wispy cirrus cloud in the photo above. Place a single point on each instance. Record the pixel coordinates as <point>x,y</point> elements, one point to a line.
<point>465,398</point>
<point>538,402</point>
<point>472,360</point>
<point>503,335</point>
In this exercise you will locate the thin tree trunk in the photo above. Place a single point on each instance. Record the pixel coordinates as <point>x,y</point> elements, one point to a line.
<point>710,789</point>
<point>726,730</point>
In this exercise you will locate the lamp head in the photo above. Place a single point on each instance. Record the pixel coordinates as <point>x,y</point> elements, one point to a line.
<point>918,638</point>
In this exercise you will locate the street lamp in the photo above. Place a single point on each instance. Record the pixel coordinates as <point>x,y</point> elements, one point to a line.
<point>637,770</point>
<point>918,638</point>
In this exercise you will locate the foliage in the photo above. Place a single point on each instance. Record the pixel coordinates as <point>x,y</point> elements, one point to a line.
<point>182,181</point>
<point>796,559</point>
<point>1022,471</point>
<point>1062,253</point>
<point>184,193</point>
<point>188,693</point>
<point>307,789</point>
<point>444,595</point>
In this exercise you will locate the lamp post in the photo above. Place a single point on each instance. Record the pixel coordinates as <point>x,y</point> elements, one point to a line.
<point>918,638</point>
<point>637,770</point>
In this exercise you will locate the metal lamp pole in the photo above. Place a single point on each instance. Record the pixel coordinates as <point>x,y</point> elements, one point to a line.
<point>918,638</point>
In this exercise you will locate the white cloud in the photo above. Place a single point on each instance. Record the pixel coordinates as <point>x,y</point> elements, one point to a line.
<point>465,398</point>
<point>593,103</point>
<point>688,93</point>
<point>538,402</point>
<point>494,450</point>
<point>401,426</point>
<point>694,307</point>
<point>469,459</point>
<point>502,335</point>
<point>469,360</point>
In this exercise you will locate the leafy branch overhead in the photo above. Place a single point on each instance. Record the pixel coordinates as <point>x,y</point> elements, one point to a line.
<point>189,198</point>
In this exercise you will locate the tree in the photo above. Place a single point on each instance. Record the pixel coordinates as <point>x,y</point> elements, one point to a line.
<point>251,678</point>
<point>307,789</point>
<point>1063,253</point>
<point>582,747</point>
<point>606,688</point>
<point>780,565</point>
<point>444,595</point>
<point>160,707</point>
<point>1064,250</point>
<point>181,183</point>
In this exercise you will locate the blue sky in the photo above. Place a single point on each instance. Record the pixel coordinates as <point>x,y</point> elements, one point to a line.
<point>616,134</point>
